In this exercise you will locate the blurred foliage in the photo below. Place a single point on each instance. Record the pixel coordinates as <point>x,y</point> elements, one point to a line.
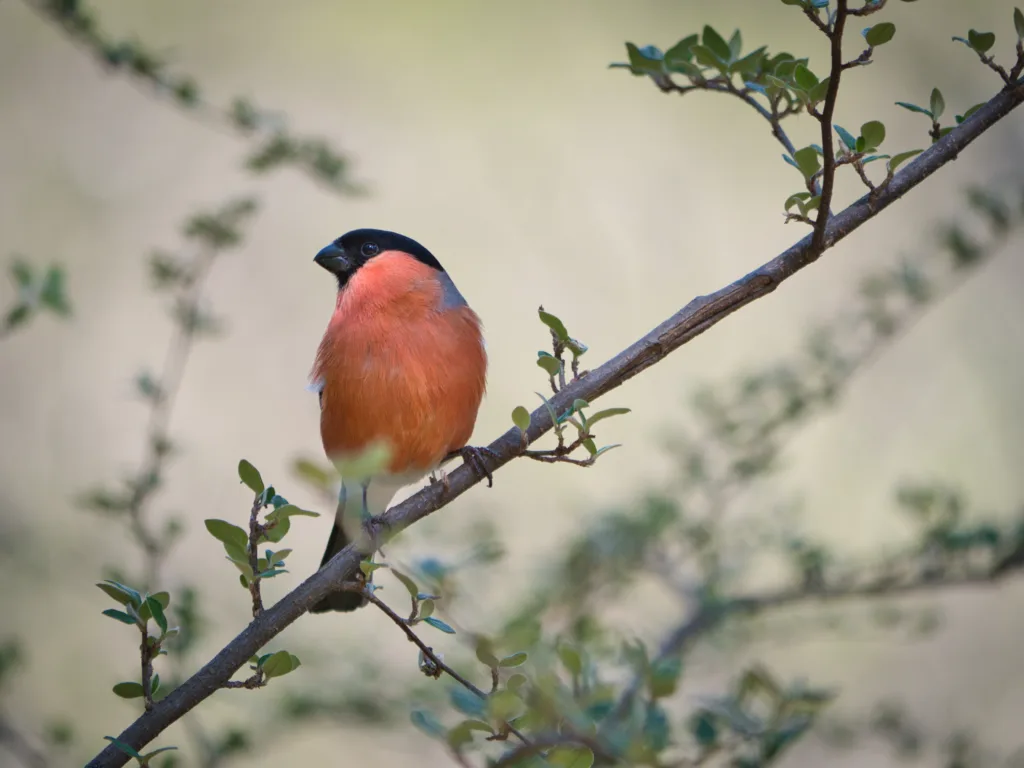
<point>274,143</point>
<point>37,292</point>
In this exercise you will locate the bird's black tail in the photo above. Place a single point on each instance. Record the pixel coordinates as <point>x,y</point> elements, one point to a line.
<point>337,601</point>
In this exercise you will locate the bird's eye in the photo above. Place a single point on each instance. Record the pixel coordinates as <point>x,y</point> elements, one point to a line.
<point>370,249</point>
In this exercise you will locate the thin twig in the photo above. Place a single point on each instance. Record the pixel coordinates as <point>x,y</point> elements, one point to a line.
<point>146,654</point>
<point>710,616</point>
<point>426,649</point>
<point>20,747</point>
<point>255,532</point>
<point>157,447</point>
<point>869,7</point>
<point>828,150</point>
<point>689,322</point>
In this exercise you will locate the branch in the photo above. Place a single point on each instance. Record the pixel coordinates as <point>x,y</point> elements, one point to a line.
<point>19,746</point>
<point>710,616</point>
<point>828,161</point>
<point>773,116</point>
<point>255,531</point>
<point>689,322</point>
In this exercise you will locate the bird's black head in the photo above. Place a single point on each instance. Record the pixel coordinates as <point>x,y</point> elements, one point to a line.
<point>348,253</point>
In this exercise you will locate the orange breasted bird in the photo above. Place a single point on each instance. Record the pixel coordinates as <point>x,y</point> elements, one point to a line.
<point>402,363</point>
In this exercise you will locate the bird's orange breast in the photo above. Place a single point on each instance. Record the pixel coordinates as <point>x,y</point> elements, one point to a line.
<point>398,366</point>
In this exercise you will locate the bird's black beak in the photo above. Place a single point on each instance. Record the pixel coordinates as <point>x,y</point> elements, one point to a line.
<point>333,259</point>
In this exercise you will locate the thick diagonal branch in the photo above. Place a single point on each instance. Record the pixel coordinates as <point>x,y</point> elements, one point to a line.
<point>689,322</point>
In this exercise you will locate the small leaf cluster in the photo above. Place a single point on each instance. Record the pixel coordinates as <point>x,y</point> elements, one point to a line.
<point>555,366</point>
<point>37,291</point>
<point>552,362</point>
<point>936,108</point>
<point>240,545</point>
<point>276,147</point>
<point>276,664</point>
<point>756,721</point>
<point>138,609</point>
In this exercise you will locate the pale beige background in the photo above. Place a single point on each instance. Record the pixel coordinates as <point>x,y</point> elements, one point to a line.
<point>495,135</point>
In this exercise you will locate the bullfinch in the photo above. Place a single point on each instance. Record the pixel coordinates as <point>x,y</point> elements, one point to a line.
<point>402,363</point>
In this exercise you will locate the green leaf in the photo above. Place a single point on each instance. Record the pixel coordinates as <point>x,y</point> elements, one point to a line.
<point>427,723</point>
<point>366,463</point>
<point>250,476</point>
<point>467,702</point>
<point>21,272</point>
<point>368,567</point>
<point>570,757</point>
<point>913,108</point>
<point>120,616</point>
<point>290,510</point>
<point>313,473</point>
<point>462,733</point>
<point>820,91</point>
<point>679,56</point>
<point>129,690</point>
<point>227,533</point>
<point>426,608</point>
<point>521,416</point>
<point>591,446</point>
<point>846,137</point>
<point>704,729</point>
<point>938,104</point>
<point>571,659</point>
<point>163,598</point>
<point>554,324</point>
<point>278,664</point>
<point>716,44</point>
<point>750,65</point>
<point>126,748</point>
<point>149,755</point>
<point>154,684</point>
<point>981,41</point>
<point>52,293</point>
<point>873,133</point>
<point>644,61</point>
<point>969,112</point>
<point>157,612</point>
<point>438,624</point>
<point>485,652</point>
<point>807,161</point>
<point>805,78</point>
<point>1018,23</point>
<point>549,363</point>
<point>735,45</point>
<point>514,660</point>
<point>795,198</point>
<point>124,595</point>
<point>879,34</point>
<point>898,159</point>
<point>605,414</point>
<point>664,676</point>
<point>503,706</point>
<point>409,584</point>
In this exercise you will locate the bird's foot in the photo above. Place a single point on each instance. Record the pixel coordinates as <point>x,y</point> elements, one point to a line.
<point>443,479</point>
<point>475,457</point>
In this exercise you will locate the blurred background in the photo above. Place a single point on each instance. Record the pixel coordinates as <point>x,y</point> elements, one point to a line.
<point>496,135</point>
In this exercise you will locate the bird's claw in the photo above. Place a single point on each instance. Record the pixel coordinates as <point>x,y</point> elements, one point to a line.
<point>474,458</point>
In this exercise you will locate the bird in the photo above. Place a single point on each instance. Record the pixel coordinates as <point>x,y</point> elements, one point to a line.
<point>403,363</point>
